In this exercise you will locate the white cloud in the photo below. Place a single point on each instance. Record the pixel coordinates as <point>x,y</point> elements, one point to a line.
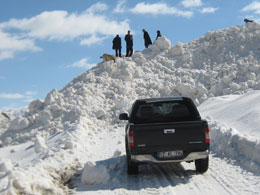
<point>31,93</point>
<point>98,7</point>
<point>254,6</point>
<point>5,54</point>
<point>27,97</point>
<point>191,3</point>
<point>92,40</point>
<point>208,10</point>
<point>83,63</point>
<point>11,96</point>
<point>120,7</point>
<point>10,44</point>
<point>159,8</point>
<point>60,25</point>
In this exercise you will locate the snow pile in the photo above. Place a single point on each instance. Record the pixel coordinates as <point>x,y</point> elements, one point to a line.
<point>39,144</point>
<point>242,141</point>
<point>68,121</point>
<point>5,119</point>
<point>5,165</point>
<point>19,123</point>
<point>228,142</point>
<point>94,175</point>
<point>161,44</point>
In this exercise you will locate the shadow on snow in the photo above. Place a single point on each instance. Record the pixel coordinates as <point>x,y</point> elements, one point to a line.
<point>150,176</point>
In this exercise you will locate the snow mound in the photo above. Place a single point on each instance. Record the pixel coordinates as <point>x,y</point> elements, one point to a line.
<point>94,174</point>
<point>5,165</point>
<point>161,44</point>
<point>19,123</point>
<point>39,144</point>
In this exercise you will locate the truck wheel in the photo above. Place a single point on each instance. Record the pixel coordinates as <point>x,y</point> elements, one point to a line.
<point>132,168</point>
<point>202,165</point>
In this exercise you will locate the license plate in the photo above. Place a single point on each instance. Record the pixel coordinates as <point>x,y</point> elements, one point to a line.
<point>170,154</point>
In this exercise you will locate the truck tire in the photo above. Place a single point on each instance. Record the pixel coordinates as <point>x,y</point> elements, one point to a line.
<point>132,168</point>
<point>202,165</point>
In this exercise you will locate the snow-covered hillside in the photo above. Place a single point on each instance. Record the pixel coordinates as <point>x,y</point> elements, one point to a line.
<point>78,125</point>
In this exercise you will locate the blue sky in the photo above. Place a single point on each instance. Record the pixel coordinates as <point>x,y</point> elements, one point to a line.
<point>45,44</point>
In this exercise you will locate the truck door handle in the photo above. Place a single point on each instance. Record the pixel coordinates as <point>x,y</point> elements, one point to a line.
<point>167,131</point>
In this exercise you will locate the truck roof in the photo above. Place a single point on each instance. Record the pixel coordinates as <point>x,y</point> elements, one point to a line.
<point>161,99</point>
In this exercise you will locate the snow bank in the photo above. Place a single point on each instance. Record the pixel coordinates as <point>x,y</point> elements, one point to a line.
<point>228,142</point>
<point>235,128</point>
<point>239,112</point>
<point>94,175</point>
<point>223,62</point>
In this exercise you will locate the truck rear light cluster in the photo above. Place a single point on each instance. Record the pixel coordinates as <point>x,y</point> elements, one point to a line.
<point>207,138</point>
<point>131,139</point>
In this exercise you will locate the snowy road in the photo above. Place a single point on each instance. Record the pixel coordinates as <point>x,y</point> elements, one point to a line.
<point>223,177</point>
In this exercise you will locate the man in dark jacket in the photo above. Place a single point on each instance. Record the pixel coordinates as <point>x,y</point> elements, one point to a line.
<point>147,39</point>
<point>129,44</point>
<point>117,45</point>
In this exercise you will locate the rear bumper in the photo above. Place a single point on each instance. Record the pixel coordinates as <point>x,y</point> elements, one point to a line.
<point>190,157</point>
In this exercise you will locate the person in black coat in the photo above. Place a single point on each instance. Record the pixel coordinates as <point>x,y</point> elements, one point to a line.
<point>147,39</point>
<point>158,34</point>
<point>117,45</point>
<point>129,44</point>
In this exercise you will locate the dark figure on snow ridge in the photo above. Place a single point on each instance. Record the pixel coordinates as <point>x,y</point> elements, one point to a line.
<point>246,20</point>
<point>117,45</point>
<point>158,34</point>
<point>147,39</point>
<point>129,44</point>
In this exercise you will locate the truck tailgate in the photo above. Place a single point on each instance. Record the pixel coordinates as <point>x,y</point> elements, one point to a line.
<point>169,134</point>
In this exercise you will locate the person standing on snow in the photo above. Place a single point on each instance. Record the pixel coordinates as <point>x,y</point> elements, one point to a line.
<point>158,34</point>
<point>129,44</point>
<point>117,45</point>
<point>147,39</point>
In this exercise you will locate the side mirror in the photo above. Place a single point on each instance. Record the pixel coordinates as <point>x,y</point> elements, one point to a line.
<point>123,116</point>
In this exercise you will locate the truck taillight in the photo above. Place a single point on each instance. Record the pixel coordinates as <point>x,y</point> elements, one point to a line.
<point>206,130</point>
<point>131,139</point>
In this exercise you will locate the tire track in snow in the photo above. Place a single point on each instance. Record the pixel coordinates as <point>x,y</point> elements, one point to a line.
<point>233,178</point>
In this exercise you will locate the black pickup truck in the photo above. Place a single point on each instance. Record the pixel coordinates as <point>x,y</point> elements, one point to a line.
<point>165,130</point>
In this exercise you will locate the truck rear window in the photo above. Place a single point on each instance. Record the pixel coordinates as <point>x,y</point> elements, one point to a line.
<point>159,112</point>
